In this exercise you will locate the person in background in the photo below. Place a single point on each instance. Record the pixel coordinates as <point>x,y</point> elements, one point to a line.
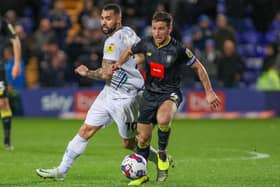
<point>60,22</point>
<point>269,79</point>
<point>230,66</point>
<point>17,83</point>
<point>8,31</point>
<point>223,32</point>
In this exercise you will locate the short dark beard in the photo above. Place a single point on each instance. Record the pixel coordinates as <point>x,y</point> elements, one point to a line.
<point>110,30</point>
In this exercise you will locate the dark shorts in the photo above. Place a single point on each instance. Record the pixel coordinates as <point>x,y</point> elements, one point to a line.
<point>3,84</point>
<point>151,102</point>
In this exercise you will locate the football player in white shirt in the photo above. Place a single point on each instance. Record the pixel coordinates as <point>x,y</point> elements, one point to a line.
<point>118,101</point>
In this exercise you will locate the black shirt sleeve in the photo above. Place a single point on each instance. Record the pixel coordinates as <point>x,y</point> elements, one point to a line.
<point>7,29</point>
<point>187,56</point>
<point>138,47</point>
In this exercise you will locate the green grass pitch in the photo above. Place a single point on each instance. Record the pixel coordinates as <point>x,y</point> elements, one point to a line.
<point>239,152</point>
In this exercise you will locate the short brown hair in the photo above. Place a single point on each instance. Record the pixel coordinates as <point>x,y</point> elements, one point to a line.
<point>163,16</point>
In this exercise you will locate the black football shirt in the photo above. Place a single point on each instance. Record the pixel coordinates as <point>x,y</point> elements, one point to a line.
<point>163,65</point>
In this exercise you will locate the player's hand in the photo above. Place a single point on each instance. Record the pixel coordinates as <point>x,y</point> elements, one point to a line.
<point>82,70</point>
<point>213,100</point>
<point>115,67</point>
<point>15,71</point>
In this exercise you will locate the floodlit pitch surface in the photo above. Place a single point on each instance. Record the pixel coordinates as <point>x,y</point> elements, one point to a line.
<point>239,152</point>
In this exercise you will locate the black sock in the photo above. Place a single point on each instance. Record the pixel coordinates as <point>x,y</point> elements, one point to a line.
<point>144,151</point>
<point>7,129</point>
<point>162,155</point>
<point>163,137</point>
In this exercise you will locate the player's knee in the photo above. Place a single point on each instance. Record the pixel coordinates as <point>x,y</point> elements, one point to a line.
<point>164,119</point>
<point>2,104</point>
<point>87,131</point>
<point>128,144</point>
<point>143,139</point>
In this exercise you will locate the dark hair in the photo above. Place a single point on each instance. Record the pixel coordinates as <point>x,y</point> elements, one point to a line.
<point>112,6</point>
<point>163,16</point>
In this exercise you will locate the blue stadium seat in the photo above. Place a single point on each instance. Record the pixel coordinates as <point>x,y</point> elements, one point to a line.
<point>249,24</point>
<point>252,72</point>
<point>251,37</point>
<point>239,37</point>
<point>250,50</point>
<point>27,24</point>
<point>271,36</point>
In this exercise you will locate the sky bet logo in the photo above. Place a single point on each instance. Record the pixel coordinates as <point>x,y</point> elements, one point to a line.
<point>55,102</point>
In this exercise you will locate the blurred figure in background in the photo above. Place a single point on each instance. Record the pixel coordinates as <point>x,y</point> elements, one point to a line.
<point>17,83</point>
<point>271,56</point>
<point>61,22</point>
<point>86,13</point>
<point>230,66</point>
<point>223,32</point>
<point>8,31</point>
<point>209,60</point>
<point>42,35</point>
<point>54,75</point>
<point>24,41</point>
<point>269,79</point>
<point>14,85</point>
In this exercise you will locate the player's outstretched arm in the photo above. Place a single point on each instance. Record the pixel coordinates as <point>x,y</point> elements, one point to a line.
<point>17,56</point>
<point>211,96</point>
<point>123,58</point>
<point>103,73</point>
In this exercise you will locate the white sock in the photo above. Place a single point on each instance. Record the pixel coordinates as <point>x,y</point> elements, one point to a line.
<point>74,149</point>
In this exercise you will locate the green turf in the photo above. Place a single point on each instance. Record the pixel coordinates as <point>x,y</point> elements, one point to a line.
<point>207,153</point>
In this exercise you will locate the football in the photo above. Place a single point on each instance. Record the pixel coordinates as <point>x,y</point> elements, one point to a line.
<point>134,166</point>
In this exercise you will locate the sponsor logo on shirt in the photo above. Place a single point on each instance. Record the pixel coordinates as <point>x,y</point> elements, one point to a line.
<point>169,59</point>
<point>157,70</point>
<point>174,97</point>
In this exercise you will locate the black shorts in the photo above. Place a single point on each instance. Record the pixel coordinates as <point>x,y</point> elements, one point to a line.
<point>3,84</point>
<point>151,102</point>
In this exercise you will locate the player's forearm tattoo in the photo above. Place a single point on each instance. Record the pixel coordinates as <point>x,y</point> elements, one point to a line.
<point>95,74</point>
<point>102,73</point>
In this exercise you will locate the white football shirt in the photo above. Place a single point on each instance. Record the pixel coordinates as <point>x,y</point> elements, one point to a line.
<point>126,81</point>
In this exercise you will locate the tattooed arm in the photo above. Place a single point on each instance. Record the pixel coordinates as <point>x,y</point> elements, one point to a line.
<point>102,73</point>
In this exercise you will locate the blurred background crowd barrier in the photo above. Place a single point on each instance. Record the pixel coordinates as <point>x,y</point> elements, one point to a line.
<point>236,40</point>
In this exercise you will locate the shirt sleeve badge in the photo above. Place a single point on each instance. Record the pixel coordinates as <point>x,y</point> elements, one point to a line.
<point>110,48</point>
<point>189,53</point>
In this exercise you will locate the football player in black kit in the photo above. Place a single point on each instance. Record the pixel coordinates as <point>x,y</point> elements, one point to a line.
<point>7,30</point>
<point>164,58</point>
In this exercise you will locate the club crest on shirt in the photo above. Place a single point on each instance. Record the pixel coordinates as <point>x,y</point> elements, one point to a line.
<point>189,53</point>
<point>174,97</point>
<point>110,48</point>
<point>169,59</point>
